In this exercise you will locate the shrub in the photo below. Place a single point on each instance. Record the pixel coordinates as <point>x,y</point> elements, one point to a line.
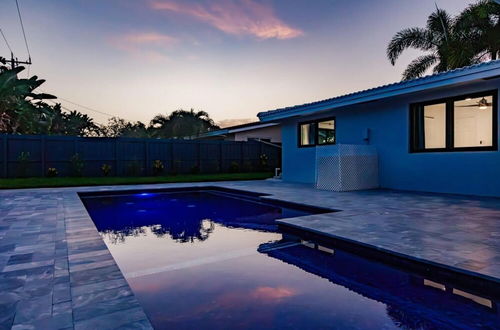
<point>234,167</point>
<point>106,169</point>
<point>52,172</point>
<point>264,161</point>
<point>76,165</point>
<point>23,163</point>
<point>158,167</point>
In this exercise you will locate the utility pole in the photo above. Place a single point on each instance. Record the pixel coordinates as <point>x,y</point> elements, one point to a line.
<point>14,61</point>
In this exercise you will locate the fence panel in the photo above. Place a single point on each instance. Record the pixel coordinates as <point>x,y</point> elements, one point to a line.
<point>32,155</point>
<point>131,156</point>
<point>24,156</point>
<point>57,152</point>
<point>210,157</point>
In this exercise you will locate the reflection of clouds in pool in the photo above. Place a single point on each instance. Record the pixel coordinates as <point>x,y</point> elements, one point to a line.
<point>270,294</point>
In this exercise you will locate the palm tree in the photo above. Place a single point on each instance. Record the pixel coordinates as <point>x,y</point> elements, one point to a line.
<point>182,124</point>
<point>437,38</point>
<point>479,26</point>
<point>23,111</point>
<point>450,43</point>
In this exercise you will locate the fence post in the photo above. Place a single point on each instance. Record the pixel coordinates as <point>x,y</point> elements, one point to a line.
<point>242,155</point>
<point>221,159</point>
<point>146,157</point>
<point>5,155</point>
<point>172,162</point>
<point>117,172</point>
<point>198,155</point>
<point>75,145</point>
<point>42,153</point>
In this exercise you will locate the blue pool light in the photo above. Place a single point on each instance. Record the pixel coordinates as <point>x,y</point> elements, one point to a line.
<point>145,194</point>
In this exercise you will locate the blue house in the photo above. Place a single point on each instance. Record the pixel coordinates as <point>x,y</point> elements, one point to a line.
<point>438,133</point>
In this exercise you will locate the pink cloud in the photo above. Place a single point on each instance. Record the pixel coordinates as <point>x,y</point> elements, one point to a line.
<point>243,17</point>
<point>153,45</point>
<point>265,293</point>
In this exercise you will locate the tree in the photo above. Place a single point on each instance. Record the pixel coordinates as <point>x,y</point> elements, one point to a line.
<point>436,38</point>
<point>119,127</point>
<point>182,124</point>
<point>21,109</point>
<point>450,43</point>
<point>479,27</point>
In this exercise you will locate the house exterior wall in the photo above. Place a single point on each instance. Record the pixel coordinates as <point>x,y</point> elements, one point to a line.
<point>273,133</point>
<point>460,172</point>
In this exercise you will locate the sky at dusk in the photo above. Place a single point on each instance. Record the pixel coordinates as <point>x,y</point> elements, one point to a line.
<point>231,58</point>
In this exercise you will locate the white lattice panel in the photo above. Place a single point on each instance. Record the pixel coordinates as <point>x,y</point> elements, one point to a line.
<point>346,167</point>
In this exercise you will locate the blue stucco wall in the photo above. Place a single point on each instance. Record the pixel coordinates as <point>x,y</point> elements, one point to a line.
<point>472,173</point>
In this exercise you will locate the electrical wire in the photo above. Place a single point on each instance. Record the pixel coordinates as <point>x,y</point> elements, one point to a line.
<point>70,110</point>
<point>84,107</point>
<point>6,42</point>
<point>22,27</point>
<point>88,108</point>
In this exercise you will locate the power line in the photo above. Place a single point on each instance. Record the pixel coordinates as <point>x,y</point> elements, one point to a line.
<point>88,108</point>
<point>22,27</point>
<point>6,42</point>
<point>70,110</point>
<point>85,107</point>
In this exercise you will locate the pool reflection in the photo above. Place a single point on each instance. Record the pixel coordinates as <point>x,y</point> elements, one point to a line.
<point>413,302</point>
<point>184,216</point>
<point>204,260</point>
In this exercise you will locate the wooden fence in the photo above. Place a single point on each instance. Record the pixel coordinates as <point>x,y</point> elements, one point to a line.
<point>33,155</point>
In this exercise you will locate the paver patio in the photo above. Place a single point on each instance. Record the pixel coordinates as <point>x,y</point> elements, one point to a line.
<point>56,272</point>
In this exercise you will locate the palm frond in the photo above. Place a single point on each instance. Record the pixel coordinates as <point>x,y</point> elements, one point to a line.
<point>417,38</point>
<point>440,24</point>
<point>419,66</point>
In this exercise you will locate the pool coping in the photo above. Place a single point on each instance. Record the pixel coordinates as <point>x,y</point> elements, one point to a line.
<point>473,281</point>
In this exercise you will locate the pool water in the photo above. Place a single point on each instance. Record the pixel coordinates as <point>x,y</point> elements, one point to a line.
<point>216,260</point>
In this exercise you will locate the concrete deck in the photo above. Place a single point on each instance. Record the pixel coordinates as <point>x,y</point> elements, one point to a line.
<point>56,272</point>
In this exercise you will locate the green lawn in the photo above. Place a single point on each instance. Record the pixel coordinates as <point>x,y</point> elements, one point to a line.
<point>98,181</point>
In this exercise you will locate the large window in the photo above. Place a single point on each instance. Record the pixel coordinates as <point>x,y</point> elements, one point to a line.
<point>319,132</point>
<point>455,124</point>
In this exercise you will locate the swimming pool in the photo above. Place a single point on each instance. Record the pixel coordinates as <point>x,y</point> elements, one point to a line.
<point>210,258</point>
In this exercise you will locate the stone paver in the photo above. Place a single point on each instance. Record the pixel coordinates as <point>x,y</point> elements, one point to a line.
<point>57,273</point>
<point>52,259</point>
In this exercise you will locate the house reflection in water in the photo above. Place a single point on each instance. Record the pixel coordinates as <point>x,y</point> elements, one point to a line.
<point>413,302</point>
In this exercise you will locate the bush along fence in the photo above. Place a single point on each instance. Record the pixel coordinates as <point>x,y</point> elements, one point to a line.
<point>39,155</point>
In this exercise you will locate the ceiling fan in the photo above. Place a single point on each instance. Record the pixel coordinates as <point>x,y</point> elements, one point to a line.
<point>482,104</point>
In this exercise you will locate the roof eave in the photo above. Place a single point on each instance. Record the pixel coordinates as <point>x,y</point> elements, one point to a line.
<point>382,93</point>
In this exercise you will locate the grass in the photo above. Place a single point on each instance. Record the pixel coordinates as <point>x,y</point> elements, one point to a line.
<point>99,181</point>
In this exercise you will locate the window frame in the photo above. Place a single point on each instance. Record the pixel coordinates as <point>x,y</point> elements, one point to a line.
<point>316,136</point>
<point>450,123</point>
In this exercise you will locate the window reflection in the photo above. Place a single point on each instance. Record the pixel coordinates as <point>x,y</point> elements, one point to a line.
<point>326,132</point>
<point>307,134</point>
